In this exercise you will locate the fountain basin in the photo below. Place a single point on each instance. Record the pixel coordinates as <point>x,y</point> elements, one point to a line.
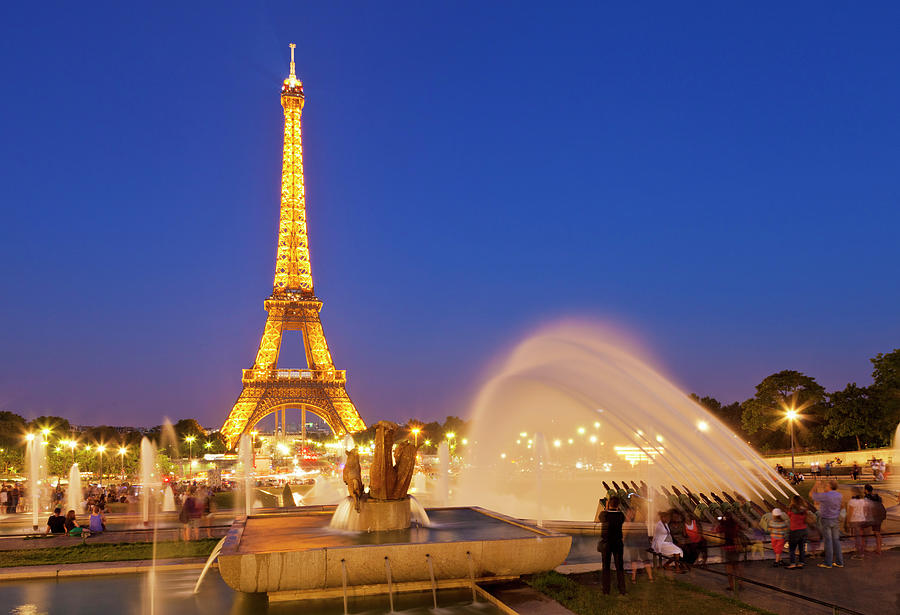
<point>295,555</point>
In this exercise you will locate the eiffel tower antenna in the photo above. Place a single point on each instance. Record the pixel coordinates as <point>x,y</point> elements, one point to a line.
<point>293,76</point>
<point>292,306</point>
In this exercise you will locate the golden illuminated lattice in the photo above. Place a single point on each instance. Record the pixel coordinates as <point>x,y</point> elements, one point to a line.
<point>293,306</point>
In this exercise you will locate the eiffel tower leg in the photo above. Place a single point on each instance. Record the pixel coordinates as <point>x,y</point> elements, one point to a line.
<point>245,408</point>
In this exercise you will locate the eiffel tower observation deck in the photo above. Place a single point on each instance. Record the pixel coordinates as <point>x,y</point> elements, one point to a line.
<point>292,306</point>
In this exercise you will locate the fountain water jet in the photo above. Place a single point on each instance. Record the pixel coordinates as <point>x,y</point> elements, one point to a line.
<point>443,487</point>
<point>73,492</point>
<point>35,453</point>
<point>605,410</point>
<point>245,456</point>
<point>148,478</point>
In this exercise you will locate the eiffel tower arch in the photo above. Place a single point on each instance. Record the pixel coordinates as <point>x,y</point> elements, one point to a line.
<point>292,306</point>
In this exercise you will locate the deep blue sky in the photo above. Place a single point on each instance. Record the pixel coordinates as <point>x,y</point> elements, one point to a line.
<point>721,181</point>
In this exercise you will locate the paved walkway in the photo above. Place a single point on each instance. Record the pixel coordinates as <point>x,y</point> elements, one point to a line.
<point>870,586</point>
<point>108,537</point>
<point>18,573</point>
<point>524,600</point>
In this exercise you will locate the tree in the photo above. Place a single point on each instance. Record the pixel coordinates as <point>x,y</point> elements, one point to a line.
<point>12,430</point>
<point>59,426</point>
<point>216,443</point>
<point>188,427</point>
<point>730,414</point>
<point>853,413</point>
<point>455,425</point>
<point>885,389</point>
<point>765,411</point>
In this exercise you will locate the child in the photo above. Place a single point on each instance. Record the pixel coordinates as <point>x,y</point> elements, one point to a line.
<point>778,529</point>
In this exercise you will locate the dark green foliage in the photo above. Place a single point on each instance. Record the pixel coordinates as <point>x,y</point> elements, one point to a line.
<point>765,411</point>
<point>854,413</point>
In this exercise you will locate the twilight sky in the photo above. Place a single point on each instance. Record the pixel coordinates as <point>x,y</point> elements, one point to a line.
<point>721,182</point>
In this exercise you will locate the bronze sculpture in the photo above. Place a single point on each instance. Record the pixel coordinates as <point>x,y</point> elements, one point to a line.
<point>353,478</point>
<point>387,480</point>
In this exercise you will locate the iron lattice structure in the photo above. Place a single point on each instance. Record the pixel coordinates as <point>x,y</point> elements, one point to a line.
<point>293,306</point>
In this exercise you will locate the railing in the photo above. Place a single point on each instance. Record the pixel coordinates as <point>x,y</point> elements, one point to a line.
<point>307,375</point>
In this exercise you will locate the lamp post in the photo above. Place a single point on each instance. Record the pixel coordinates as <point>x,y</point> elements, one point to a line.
<point>73,445</point>
<point>100,450</point>
<point>791,417</point>
<point>190,441</point>
<point>123,450</point>
<point>415,432</point>
<point>450,441</point>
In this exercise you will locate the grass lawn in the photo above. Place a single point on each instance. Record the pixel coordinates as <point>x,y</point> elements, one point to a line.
<point>102,552</point>
<point>662,597</point>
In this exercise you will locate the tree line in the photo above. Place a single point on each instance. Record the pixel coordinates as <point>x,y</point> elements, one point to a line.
<point>855,417</point>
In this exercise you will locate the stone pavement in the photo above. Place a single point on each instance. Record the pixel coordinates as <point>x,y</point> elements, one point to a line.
<point>46,541</point>
<point>870,585</point>
<point>524,600</point>
<point>18,573</point>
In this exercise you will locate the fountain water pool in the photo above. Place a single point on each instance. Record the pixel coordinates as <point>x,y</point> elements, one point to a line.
<point>574,405</point>
<point>127,595</point>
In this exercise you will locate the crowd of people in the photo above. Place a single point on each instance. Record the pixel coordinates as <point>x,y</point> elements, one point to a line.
<point>822,521</point>
<point>795,531</point>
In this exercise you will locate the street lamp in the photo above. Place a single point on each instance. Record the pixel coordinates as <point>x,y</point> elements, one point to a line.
<point>791,417</point>
<point>123,450</point>
<point>415,432</point>
<point>190,441</point>
<point>72,444</point>
<point>100,450</point>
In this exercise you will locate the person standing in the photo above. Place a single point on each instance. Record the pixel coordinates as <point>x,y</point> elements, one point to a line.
<point>637,545</point>
<point>856,519</point>
<point>778,528</point>
<point>732,545</point>
<point>875,514</point>
<point>611,544</point>
<point>797,532</point>
<point>830,502</point>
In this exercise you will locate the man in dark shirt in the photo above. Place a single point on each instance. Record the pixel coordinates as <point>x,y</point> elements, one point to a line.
<point>57,523</point>
<point>611,544</point>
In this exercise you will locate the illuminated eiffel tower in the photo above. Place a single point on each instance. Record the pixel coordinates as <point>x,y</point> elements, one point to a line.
<point>293,306</point>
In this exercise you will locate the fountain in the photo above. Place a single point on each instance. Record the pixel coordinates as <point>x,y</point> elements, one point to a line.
<point>168,500</point>
<point>35,457</point>
<point>149,480</point>
<point>387,505</point>
<point>443,485</point>
<point>603,413</point>
<point>311,553</point>
<point>247,488</point>
<point>73,492</point>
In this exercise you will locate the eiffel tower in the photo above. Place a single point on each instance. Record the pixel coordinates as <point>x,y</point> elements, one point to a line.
<point>292,306</point>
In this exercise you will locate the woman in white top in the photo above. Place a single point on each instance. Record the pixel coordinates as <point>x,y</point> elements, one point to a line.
<point>662,540</point>
<point>856,519</point>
